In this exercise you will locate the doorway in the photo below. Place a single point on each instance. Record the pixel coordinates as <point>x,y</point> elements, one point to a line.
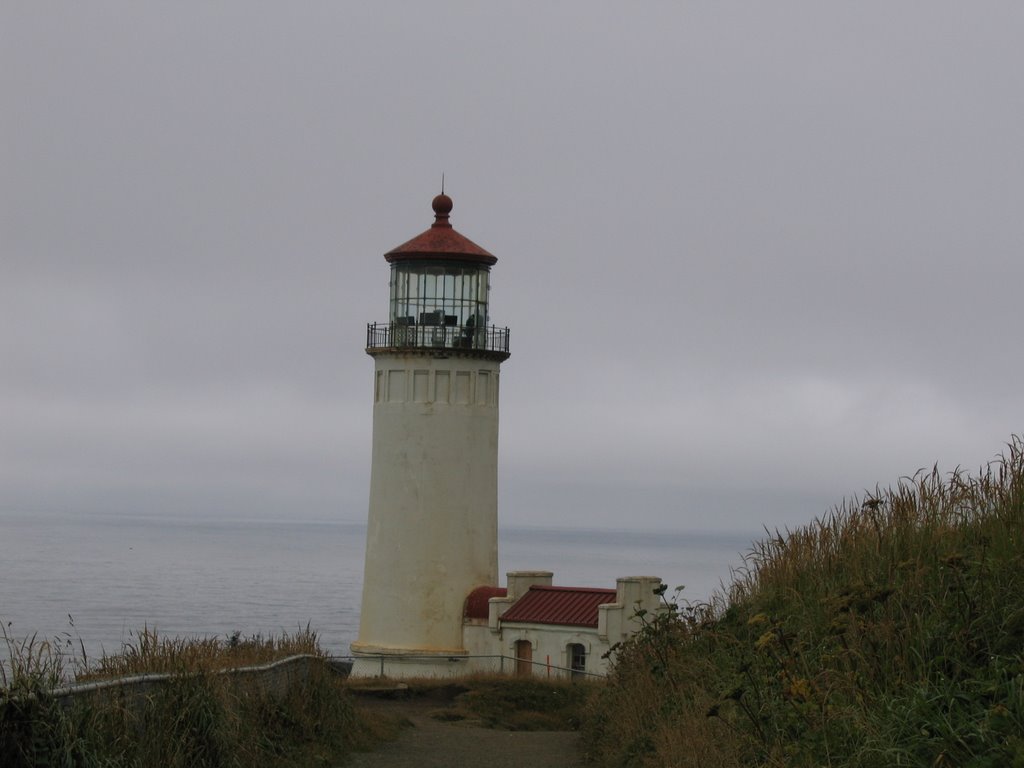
<point>524,658</point>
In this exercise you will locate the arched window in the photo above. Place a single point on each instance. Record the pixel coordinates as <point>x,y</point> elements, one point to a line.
<point>577,654</point>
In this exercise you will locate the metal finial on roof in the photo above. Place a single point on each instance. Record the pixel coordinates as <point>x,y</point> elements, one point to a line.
<point>440,242</point>
<point>442,205</point>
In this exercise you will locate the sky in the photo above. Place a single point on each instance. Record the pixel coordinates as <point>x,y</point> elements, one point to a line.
<point>755,258</point>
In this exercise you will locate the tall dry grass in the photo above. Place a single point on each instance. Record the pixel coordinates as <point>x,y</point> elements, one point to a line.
<point>148,652</point>
<point>889,633</point>
<point>197,718</point>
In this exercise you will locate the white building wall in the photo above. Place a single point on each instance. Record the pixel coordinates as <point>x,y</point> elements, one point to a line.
<point>617,621</point>
<point>432,534</point>
<point>550,645</point>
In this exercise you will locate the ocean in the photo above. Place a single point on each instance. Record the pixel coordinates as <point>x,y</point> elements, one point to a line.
<point>96,580</point>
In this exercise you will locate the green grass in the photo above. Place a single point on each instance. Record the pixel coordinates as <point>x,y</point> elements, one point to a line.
<point>890,633</point>
<point>527,704</point>
<point>198,718</point>
<point>496,701</point>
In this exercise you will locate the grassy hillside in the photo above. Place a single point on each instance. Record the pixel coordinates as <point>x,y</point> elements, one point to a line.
<point>199,718</point>
<point>890,633</point>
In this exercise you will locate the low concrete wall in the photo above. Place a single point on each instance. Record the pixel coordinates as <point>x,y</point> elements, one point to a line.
<point>275,678</point>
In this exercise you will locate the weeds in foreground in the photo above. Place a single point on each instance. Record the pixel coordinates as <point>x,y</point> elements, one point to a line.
<point>152,653</point>
<point>194,718</point>
<point>890,633</point>
<point>32,664</point>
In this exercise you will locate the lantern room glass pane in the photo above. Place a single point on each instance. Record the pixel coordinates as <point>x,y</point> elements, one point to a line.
<point>439,293</point>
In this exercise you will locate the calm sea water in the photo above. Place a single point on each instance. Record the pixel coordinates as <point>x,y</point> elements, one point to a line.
<point>99,579</point>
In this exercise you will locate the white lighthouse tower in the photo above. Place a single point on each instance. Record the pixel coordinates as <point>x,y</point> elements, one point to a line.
<point>432,535</point>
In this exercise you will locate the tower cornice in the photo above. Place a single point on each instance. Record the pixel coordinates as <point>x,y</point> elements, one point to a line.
<point>439,354</point>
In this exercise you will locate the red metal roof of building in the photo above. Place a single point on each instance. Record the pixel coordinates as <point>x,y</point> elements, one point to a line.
<point>576,606</point>
<point>476,603</point>
<point>440,242</point>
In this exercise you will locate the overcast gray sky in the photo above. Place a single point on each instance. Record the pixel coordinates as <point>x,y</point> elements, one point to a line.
<point>755,257</point>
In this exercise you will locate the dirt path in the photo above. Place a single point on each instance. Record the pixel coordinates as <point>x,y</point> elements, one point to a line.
<point>427,742</point>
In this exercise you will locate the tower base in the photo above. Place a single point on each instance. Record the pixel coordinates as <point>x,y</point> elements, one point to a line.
<point>405,663</point>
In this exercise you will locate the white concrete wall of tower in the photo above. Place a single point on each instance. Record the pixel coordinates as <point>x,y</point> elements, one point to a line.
<point>432,535</point>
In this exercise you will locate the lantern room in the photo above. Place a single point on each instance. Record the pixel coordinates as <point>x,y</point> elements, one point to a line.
<point>439,293</point>
<point>447,293</point>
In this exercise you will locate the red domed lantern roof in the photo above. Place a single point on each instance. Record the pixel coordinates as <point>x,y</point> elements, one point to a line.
<point>441,242</point>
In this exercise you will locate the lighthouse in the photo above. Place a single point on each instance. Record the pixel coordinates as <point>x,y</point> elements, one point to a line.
<point>432,531</point>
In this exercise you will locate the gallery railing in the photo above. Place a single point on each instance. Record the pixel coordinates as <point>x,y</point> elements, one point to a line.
<point>411,335</point>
